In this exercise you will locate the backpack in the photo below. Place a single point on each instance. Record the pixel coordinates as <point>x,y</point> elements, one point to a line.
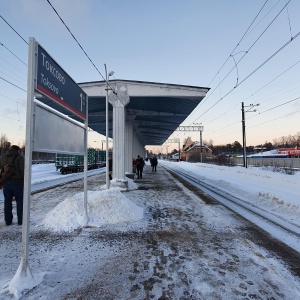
<point>7,171</point>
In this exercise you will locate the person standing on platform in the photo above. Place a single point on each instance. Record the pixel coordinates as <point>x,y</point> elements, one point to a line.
<point>13,186</point>
<point>110,167</point>
<point>140,166</point>
<point>154,163</point>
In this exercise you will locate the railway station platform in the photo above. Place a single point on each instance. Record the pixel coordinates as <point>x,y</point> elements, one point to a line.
<point>187,246</point>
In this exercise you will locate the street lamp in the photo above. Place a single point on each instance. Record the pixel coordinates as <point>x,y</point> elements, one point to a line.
<point>106,131</point>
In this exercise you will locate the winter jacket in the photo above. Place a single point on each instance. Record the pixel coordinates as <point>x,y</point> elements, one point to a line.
<point>18,164</point>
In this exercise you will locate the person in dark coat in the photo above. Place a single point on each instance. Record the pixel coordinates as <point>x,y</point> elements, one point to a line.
<point>14,186</point>
<point>110,167</point>
<point>140,166</point>
<point>154,163</point>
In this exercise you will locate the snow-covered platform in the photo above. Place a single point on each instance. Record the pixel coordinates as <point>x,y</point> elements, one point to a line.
<point>160,239</point>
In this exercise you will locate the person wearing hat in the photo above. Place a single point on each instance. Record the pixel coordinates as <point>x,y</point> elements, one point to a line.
<point>13,187</point>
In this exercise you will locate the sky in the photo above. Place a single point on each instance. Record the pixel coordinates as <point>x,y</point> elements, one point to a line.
<point>60,253</point>
<point>244,51</point>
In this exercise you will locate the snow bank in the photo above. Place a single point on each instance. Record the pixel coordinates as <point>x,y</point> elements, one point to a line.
<point>104,207</point>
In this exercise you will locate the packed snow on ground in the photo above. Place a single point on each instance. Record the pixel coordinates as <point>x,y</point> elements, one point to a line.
<point>103,207</point>
<point>277,192</point>
<point>266,189</point>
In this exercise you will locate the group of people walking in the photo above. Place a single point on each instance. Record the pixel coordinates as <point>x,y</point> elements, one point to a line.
<point>139,163</point>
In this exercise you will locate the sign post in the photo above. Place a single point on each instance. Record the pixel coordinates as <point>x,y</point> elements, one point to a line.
<point>45,77</point>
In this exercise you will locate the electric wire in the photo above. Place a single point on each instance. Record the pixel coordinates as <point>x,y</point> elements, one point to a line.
<point>269,101</point>
<point>239,41</point>
<point>272,80</point>
<point>278,76</point>
<point>279,105</point>
<point>13,54</point>
<point>11,77</point>
<point>13,84</point>
<point>221,98</point>
<point>246,52</point>
<point>13,29</point>
<point>263,17</point>
<point>254,71</point>
<point>12,99</point>
<point>295,112</point>
<point>5,116</point>
<point>257,125</point>
<point>80,46</point>
<point>12,72</point>
<point>259,113</point>
<point>17,69</point>
<point>288,16</point>
<point>231,109</point>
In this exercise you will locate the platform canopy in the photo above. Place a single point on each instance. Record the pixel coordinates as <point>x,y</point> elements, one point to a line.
<point>155,109</point>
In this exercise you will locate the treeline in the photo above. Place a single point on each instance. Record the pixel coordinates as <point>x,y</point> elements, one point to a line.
<point>290,141</point>
<point>36,156</point>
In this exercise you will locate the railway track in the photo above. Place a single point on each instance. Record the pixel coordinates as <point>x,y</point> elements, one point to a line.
<point>276,226</point>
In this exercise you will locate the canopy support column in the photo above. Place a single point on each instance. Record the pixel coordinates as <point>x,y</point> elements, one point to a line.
<point>119,102</point>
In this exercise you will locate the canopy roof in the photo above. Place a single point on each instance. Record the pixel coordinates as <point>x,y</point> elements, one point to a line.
<point>155,109</point>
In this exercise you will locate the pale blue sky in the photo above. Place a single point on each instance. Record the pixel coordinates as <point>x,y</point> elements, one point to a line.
<point>171,41</point>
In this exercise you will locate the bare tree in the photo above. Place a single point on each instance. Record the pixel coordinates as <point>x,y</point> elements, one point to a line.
<point>4,144</point>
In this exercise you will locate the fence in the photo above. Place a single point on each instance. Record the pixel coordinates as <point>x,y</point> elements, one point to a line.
<point>293,163</point>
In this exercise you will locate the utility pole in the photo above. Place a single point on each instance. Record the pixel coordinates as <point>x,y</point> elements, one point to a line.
<point>244,137</point>
<point>200,128</point>
<point>244,129</point>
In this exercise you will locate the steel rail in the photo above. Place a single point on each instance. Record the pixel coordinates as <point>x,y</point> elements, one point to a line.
<point>213,191</point>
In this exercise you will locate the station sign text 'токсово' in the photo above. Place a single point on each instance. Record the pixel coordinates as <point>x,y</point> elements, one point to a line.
<point>53,82</point>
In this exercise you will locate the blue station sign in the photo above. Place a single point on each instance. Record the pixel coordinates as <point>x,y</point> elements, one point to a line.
<point>54,83</point>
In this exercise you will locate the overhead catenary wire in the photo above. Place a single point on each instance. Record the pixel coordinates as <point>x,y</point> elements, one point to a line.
<point>13,84</point>
<point>272,80</point>
<point>248,76</point>
<point>257,125</point>
<point>16,68</point>
<point>7,69</point>
<point>13,29</point>
<point>259,113</point>
<point>246,52</point>
<point>13,100</point>
<point>239,42</point>
<point>80,46</point>
<point>13,54</point>
<point>11,77</point>
<point>279,105</point>
<point>295,112</point>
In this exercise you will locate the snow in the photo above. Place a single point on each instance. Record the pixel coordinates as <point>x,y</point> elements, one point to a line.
<point>114,210</point>
<point>104,207</point>
<point>260,187</point>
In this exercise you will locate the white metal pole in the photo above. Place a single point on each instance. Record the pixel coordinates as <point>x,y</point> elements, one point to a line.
<point>86,159</point>
<point>107,166</point>
<point>32,53</point>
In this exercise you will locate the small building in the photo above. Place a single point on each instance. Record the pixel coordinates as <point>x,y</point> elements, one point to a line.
<point>187,144</point>
<point>191,151</point>
<point>194,152</point>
